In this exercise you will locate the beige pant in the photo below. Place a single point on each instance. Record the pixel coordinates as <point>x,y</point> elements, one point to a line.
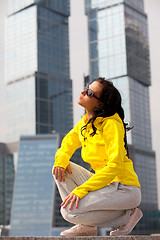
<point>107,207</point>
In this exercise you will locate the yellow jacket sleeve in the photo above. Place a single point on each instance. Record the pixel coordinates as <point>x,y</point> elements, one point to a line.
<point>69,144</point>
<point>113,134</point>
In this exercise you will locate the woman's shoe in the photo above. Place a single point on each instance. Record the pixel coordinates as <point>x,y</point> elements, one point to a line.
<point>80,230</point>
<point>132,221</point>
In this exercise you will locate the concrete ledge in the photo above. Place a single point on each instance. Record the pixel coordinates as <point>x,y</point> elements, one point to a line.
<point>135,237</point>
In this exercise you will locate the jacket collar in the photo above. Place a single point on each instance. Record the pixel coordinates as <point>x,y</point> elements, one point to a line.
<point>99,120</point>
<point>96,122</point>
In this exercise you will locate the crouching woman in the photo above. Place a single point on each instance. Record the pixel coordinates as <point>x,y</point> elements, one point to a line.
<point>111,196</point>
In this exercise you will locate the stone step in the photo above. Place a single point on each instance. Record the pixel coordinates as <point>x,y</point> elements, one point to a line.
<point>131,237</point>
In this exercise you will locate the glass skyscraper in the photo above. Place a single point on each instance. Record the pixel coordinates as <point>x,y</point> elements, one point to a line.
<point>119,51</point>
<point>39,97</point>
<point>6,185</point>
<point>39,89</point>
<point>33,210</point>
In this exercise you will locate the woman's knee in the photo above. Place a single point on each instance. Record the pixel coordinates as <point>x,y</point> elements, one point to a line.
<point>138,197</point>
<point>64,213</point>
<point>68,216</point>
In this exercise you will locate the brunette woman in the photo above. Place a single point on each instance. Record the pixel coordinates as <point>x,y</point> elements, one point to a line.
<point>111,196</point>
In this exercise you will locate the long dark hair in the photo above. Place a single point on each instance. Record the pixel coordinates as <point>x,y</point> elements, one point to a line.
<point>111,104</point>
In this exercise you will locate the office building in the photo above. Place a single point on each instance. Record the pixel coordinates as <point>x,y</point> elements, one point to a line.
<point>39,89</point>
<point>37,77</point>
<point>33,199</point>
<point>119,51</point>
<point>6,185</point>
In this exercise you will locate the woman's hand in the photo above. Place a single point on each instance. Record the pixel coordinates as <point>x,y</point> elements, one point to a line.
<point>71,198</point>
<point>59,172</point>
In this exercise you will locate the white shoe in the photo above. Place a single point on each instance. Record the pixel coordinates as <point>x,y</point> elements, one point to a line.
<point>80,230</point>
<point>132,221</point>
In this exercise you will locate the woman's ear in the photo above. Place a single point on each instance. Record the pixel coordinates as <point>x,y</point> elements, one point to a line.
<point>100,105</point>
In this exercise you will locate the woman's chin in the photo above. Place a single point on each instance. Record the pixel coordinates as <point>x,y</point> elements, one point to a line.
<point>79,102</point>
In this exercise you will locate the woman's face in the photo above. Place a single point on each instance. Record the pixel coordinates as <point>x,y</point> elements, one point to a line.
<point>91,103</point>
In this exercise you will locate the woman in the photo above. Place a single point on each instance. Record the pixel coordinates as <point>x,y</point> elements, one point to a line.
<point>111,196</point>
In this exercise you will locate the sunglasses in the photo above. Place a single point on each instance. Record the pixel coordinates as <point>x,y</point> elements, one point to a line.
<point>90,93</point>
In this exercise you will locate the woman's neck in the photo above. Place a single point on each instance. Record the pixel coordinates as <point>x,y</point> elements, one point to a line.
<point>89,114</point>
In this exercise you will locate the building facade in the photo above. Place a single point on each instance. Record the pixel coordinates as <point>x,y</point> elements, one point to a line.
<point>39,96</point>
<point>39,89</point>
<point>33,199</point>
<point>6,185</point>
<point>119,51</point>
